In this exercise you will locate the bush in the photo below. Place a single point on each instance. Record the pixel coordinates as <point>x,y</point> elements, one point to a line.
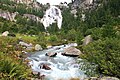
<point>71,35</point>
<point>53,38</point>
<point>11,69</point>
<point>95,32</point>
<point>106,54</point>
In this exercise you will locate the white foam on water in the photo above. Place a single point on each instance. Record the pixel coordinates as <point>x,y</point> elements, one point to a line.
<point>62,67</point>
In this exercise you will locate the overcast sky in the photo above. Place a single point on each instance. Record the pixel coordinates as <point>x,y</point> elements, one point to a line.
<point>53,2</point>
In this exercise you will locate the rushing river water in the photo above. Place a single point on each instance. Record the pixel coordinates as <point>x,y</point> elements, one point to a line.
<point>62,67</point>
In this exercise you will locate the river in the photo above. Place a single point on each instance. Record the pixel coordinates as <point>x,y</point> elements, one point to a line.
<point>62,67</point>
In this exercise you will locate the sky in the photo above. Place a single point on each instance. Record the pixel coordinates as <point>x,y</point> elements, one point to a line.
<point>53,2</point>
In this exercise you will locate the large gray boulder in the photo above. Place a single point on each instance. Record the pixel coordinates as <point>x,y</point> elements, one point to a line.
<point>87,40</point>
<point>72,51</point>
<point>38,47</point>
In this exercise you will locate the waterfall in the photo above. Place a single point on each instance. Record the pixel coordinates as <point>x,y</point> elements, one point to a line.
<point>52,15</point>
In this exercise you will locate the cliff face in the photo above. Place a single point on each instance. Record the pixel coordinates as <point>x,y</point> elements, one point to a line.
<point>7,15</point>
<point>84,4</point>
<point>23,1</point>
<point>30,3</point>
<point>11,16</point>
<point>32,17</point>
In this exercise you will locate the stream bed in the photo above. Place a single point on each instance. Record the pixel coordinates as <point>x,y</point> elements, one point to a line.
<point>61,67</point>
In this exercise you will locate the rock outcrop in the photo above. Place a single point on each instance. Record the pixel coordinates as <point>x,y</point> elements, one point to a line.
<point>30,3</point>
<point>32,17</point>
<point>7,15</point>
<point>82,3</point>
<point>23,1</point>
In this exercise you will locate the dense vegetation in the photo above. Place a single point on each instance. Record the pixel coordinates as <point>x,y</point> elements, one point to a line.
<point>102,23</point>
<point>104,26</point>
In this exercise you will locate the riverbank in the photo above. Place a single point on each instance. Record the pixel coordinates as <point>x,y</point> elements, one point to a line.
<point>12,56</point>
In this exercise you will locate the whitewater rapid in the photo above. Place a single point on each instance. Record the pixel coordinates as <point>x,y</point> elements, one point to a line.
<point>62,67</point>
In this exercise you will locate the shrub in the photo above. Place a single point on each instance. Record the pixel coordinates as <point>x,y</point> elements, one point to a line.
<point>95,32</point>
<point>106,54</point>
<point>11,69</point>
<point>53,38</point>
<point>71,35</point>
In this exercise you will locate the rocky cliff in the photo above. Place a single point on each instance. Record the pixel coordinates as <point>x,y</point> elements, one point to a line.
<point>7,15</point>
<point>84,4</point>
<point>29,9</point>
<point>23,1</point>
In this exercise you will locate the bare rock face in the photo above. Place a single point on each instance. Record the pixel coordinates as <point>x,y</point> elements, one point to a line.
<point>84,4</point>
<point>32,17</point>
<point>72,51</point>
<point>7,15</point>
<point>23,1</point>
<point>87,40</point>
<point>51,54</point>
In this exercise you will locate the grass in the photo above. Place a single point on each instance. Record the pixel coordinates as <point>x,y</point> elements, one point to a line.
<point>11,68</point>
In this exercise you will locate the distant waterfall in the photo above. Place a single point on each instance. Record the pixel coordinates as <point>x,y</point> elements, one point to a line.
<point>52,15</point>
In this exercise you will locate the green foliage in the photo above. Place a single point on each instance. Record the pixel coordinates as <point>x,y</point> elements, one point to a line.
<point>79,37</point>
<point>90,69</point>
<point>53,38</point>
<point>95,32</point>
<point>106,54</point>
<point>71,35</point>
<point>12,69</point>
<point>21,8</point>
<point>41,40</point>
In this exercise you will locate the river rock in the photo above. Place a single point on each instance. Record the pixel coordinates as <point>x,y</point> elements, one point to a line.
<point>45,66</point>
<point>49,46</point>
<point>5,33</point>
<point>51,54</point>
<point>72,51</point>
<point>24,44</point>
<point>87,40</point>
<point>38,47</point>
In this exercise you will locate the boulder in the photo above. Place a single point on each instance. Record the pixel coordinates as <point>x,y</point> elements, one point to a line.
<point>72,51</point>
<point>5,33</point>
<point>87,40</point>
<point>23,44</point>
<point>45,66</point>
<point>38,47</point>
<point>49,46</point>
<point>51,54</point>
